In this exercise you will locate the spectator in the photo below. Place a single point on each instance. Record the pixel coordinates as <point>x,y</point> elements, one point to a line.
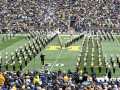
<point>2,79</point>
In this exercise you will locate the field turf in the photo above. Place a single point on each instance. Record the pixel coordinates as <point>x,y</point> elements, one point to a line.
<point>57,57</point>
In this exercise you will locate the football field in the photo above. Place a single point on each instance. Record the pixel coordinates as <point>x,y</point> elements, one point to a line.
<point>58,57</point>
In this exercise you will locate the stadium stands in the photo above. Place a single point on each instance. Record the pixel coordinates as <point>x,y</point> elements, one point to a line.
<point>26,15</point>
<point>55,81</point>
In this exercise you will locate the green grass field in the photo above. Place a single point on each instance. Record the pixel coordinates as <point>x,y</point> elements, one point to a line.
<point>58,58</point>
<point>66,58</point>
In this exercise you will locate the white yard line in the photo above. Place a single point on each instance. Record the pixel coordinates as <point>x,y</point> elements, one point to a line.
<point>59,53</point>
<point>117,40</point>
<point>60,41</point>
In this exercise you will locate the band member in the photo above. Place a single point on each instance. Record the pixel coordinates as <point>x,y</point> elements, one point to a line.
<point>42,58</point>
<point>6,66</point>
<point>99,69</point>
<point>109,74</point>
<point>14,68</point>
<point>20,67</point>
<point>25,62</point>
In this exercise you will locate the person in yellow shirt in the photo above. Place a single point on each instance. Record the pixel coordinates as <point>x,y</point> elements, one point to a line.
<point>66,78</point>
<point>36,79</point>
<point>14,87</point>
<point>2,79</point>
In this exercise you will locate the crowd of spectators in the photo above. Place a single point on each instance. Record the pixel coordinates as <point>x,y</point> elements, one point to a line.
<point>99,14</point>
<point>55,81</point>
<point>25,15</point>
